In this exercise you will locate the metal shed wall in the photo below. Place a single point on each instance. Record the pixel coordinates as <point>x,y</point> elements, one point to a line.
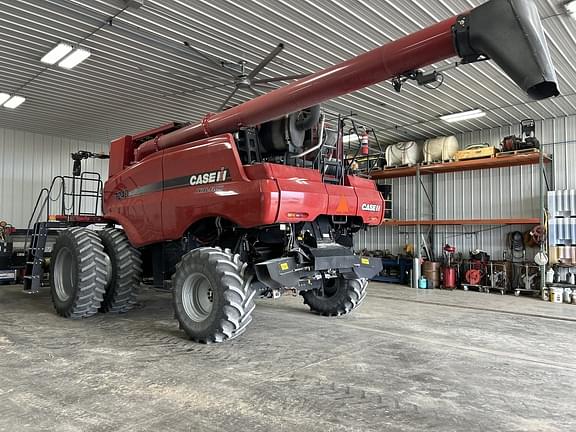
<point>488,194</point>
<point>29,161</point>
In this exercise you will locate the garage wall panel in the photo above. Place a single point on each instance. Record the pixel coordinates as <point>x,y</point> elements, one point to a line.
<point>29,161</point>
<point>487,194</point>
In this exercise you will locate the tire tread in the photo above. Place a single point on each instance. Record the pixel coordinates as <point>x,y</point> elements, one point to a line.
<point>236,313</point>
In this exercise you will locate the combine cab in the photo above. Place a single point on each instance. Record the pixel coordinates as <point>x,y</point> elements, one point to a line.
<point>259,199</point>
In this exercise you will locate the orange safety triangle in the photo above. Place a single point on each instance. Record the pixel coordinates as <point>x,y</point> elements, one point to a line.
<point>342,205</point>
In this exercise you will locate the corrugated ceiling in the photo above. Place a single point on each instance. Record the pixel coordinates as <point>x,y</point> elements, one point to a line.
<point>140,74</point>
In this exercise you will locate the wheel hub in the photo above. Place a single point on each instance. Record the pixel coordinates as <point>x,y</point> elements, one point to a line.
<point>64,271</point>
<point>197,297</point>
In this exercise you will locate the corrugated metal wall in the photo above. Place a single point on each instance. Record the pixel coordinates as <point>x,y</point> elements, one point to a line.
<point>484,194</point>
<point>29,161</point>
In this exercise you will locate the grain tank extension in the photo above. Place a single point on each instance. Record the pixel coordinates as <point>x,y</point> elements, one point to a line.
<point>258,199</point>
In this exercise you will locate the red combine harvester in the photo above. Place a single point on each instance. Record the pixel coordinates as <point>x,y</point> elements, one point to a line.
<point>259,199</point>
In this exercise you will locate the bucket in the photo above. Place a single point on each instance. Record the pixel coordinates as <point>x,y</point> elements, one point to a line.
<point>567,295</point>
<point>556,294</point>
<point>431,270</point>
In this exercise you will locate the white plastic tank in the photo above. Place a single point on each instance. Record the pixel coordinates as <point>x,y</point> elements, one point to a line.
<point>403,153</point>
<point>440,148</point>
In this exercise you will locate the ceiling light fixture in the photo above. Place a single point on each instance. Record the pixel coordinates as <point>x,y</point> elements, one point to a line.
<point>14,102</point>
<point>3,98</point>
<point>57,53</point>
<point>465,115</point>
<point>571,8</point>
<point>73,59</point>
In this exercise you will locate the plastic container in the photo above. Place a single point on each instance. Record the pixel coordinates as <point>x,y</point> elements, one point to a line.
<point>440,148</point>
<point>567,298</point>
<point>550,275</point>
<point>562,231</point>
<point>403,153</point>
<point>556,294</point>
<point>423,283</point>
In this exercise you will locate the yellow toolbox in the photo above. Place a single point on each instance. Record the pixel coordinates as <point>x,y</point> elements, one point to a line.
<point>475,152</point>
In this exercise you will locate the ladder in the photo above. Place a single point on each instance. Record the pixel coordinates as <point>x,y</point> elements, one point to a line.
<point>35,258</point>
<point>36,253</point>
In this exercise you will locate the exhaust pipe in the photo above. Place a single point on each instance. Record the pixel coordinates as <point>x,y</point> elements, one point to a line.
<point>510,33</point>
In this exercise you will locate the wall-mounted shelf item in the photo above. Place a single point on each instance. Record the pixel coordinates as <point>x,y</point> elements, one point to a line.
<point>532,158</point>
<point>500,160</point>
<point>448,222</point>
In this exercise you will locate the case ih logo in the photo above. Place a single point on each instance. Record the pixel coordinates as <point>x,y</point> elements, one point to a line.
<point>371,207</point>
<point>209,177</point>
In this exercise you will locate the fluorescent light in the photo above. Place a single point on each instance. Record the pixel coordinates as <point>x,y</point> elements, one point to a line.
<point>571,8</point>
<point>465,115</point>
<point>3,98</point>
<point>14,101</point>
<point>57,53</point>
<point>73,59</point>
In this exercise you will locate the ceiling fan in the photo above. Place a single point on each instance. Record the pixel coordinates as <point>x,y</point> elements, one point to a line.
<point>240,78</point>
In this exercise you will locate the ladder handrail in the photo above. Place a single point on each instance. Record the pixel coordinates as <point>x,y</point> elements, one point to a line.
<point>85,177</point>
<point>63,193</point>
<point>47,200</point>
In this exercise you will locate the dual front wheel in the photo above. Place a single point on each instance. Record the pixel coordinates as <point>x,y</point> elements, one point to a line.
<point>94,271</point>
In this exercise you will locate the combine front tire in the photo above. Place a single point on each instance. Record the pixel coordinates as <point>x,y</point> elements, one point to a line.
<point>78,273</point>
<point>125,272</point>
<point>338,297</point>
<point>211,299</point>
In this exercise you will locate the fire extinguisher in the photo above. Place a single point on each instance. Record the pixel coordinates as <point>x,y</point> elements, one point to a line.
<point>364,143</point>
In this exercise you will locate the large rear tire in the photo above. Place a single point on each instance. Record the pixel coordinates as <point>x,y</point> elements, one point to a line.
<point>125,272</point>
<point>78,273</point>
<point>212,300</point>
<point>339,296</point>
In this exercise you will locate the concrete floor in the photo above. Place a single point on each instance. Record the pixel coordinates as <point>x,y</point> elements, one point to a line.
<point>407,360</point>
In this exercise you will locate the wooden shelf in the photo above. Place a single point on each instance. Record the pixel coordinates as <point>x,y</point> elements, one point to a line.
<point>511,221</point>
<point>465,165</point>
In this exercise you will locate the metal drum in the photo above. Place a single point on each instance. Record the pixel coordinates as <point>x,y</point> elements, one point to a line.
<point>431,270</point>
